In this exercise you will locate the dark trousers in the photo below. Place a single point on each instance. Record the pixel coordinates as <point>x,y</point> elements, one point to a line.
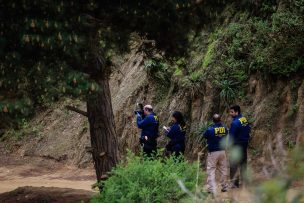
<point>241,163</point>
<point>149,152</point>
<point>177,153</point>
<point>176,150</point>
<point>149,149</point>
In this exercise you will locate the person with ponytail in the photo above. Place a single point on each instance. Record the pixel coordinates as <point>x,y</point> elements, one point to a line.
<point>176,134</point>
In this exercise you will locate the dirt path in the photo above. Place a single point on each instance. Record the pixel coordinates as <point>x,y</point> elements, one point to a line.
<point>18,172</point>
<point>16,181</point>
<point>30,194</point>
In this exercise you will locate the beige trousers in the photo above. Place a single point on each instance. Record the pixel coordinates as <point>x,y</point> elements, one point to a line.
<point>216,160</point>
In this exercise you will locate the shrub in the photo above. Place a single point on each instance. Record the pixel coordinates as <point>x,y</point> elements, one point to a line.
<point>159,70</point>
<point>198,134</point>
<point>196,76</point>
<point>228,91</point>
<point>276,189</point>
<point>148,180</point>
<point>209,56</point>
<point>270,45</point>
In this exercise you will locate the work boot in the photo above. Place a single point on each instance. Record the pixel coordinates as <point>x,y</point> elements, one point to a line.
<point>224,190</point>
<point>234,185</point>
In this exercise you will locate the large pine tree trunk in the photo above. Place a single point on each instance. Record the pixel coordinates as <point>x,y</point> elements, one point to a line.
<point>102,130</point>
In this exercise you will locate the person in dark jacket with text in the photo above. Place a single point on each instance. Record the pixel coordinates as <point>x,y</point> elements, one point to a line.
<point>239,136</point>
<point>216,160</point>
<point>150,131</point>
<point>176,134</point>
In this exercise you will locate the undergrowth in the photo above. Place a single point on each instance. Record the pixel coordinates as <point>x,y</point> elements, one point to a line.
<point>149,180</point>
<point>269,43</point>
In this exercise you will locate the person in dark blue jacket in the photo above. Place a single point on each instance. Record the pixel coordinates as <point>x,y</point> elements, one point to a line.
<point>216,143</point>
<point>177,134</point>
<point>239,136</point>
<point>149,133</point>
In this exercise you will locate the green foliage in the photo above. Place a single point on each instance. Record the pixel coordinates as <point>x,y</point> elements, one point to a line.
<point>178,72</point>
<point>149,180</point>
<point>41,48</point>
<point>209,56</point>
<point>193,81</point>
<point>180,67</point>
<point>159,70</point>
<point>228,91</point>
<point>275,190</point>
<point>47,53</point>
<point>25,129</point>
<point>50,49</point>
<point>188,77</point>
<point>196,76</point>
<point>270,45</point>
<point>222,64</point>
<point>197,136</point>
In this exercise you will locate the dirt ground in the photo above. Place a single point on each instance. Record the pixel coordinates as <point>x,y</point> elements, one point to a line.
<point>46,195</point>
<point>49,180</point>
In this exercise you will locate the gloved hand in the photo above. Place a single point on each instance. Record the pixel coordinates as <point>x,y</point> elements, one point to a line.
<point>138,115</point>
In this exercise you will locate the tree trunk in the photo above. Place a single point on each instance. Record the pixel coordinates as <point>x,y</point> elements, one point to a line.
<point>102,130</point>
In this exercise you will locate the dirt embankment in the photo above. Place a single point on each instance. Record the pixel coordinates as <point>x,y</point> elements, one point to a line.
<point>274,107</point>
<point>54,134</point>
<point>45,194</point>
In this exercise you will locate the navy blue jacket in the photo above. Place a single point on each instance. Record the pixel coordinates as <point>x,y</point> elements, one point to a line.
<point>177,136</point>
<point>215,134</point>
<point>240,130</point>
<point>149,126</point>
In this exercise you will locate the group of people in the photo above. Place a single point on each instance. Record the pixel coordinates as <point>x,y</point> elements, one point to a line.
<point>149,123</point>
<point>219,138</point>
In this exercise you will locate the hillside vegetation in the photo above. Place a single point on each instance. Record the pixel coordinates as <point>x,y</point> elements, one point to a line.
<point>213,54</point>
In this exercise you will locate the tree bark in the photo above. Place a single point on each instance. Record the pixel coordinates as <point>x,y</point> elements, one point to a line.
<point>102,130</point>
<point>104,146</point>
